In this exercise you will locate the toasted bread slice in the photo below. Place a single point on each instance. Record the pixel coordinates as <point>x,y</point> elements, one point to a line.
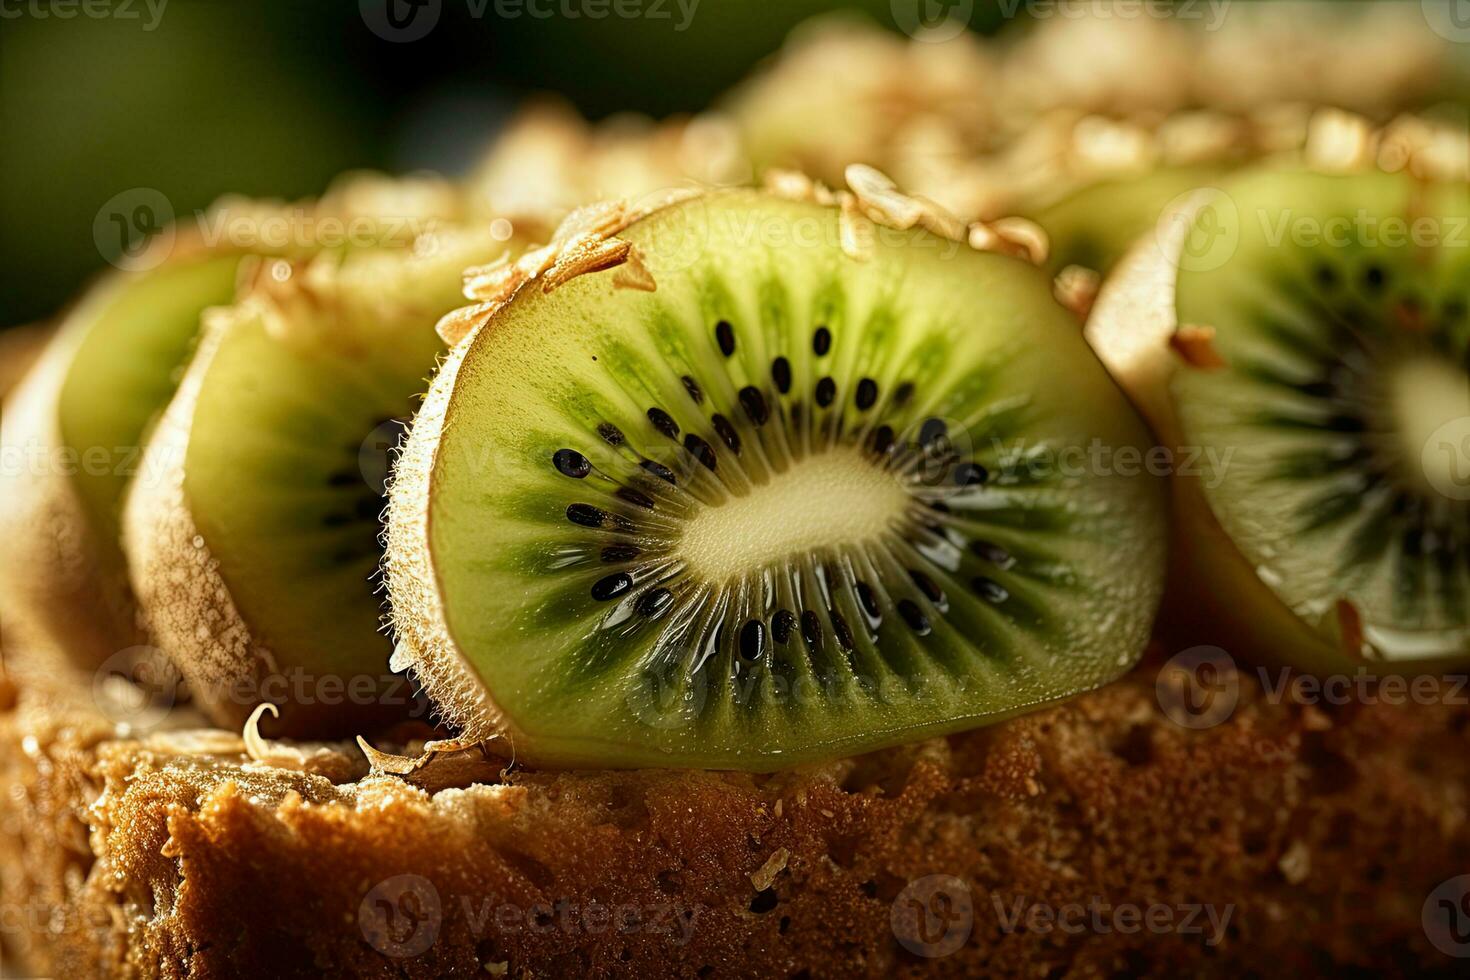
<point>1093,838</point>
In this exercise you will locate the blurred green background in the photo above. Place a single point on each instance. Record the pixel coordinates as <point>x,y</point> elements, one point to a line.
<point>194,98</point>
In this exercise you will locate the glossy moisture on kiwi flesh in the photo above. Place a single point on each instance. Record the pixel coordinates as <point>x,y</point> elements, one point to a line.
<point>789,505</point>
<point>74,429</point>
<point>254,547</point>
<point>1336,395</point>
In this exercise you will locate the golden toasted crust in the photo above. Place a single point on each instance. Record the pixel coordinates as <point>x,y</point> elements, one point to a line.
<point>1319,831</point>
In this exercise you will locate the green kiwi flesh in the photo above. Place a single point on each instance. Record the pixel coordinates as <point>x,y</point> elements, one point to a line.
<point>789,505</point>
<point>254,552</point>
<point>1093,227</point>
<point>1340,316</point>
<point>78,422</point>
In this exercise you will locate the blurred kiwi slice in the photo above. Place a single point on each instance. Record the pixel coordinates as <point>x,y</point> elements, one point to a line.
<point>77,426</point>
<point>1301,339</point>
<point>745,493</point>
<point>254,544</point>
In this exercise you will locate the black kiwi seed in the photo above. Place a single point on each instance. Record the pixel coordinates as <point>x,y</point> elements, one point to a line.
<point>1326,276</point>
<point>867,393</point>
<point>610,433</point>
<point>652,603</point>
<point>811,629</point>
<point>840,630</point>
<point>700,450</point>
<point>882,439</point>
<point>727,433</point>
<point>615,553</point>
<point>781,374</point>
<point>782,624</point>
<point>969,474</point>
<point>659,470</point>
<point>822,341</point>
<point>587,516</point>
<point>927,585</point>
<point>931,432</point>
<point>915,617</point>
<point>611,586</point>
<point>663,423</point>
<point>869,601</point>
<point>692,386</point>
<point>752,640</point>
<point>754,404</point>
<point>993,553</point>
<point>1374,277</point>
<point>989,589</point>
<point>569,462</point>
<point>902,394</point>
<point>826,391</point>
<point>346,478</point>
<point>636,497</point>
<point>725,335</point>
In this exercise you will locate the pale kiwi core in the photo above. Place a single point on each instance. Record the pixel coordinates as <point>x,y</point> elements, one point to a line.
<point>830,499</point>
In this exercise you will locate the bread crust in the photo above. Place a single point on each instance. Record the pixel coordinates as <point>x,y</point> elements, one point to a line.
<point>1320,829</point>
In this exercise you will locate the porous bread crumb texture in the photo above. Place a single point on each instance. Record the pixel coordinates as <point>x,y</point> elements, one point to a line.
<point>1324,827</point>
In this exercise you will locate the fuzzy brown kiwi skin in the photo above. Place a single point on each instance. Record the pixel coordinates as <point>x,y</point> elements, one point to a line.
<point>58,589</point>
<point>418,618</point>
<point>1212,593</point>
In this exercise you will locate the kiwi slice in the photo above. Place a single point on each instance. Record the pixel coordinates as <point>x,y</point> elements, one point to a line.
<point>78,424</point>
<point>73,431</point>
<point>1303,340</point>
<point>254,543</point>
<point>785,500</point>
